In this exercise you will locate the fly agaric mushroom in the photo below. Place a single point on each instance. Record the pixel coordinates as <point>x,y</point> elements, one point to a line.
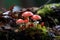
<point>27,14</point>
<point>19,21</point>
<point>26,20</point>
<point>35,17</point>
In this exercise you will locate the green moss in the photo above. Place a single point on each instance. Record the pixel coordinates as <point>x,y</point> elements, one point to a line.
<point>46,9</point>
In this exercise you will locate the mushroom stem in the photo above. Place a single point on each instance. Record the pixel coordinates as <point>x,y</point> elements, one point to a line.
<point>35,24</point>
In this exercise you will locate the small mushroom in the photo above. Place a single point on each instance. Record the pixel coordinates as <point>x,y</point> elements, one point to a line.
<point>27,14</point>
<point>36,17</point>
<point>20,21</point>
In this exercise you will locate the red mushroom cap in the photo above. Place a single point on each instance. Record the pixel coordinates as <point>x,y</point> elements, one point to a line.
<point>27,14</point>
<point>26,20</point>
<point>35,17</point>
<point>19,21</point>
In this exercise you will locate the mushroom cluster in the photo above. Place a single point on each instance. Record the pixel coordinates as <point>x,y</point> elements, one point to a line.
<point>28,16</point>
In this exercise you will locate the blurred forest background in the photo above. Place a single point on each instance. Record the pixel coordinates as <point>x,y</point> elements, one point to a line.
<point>24,3</point>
